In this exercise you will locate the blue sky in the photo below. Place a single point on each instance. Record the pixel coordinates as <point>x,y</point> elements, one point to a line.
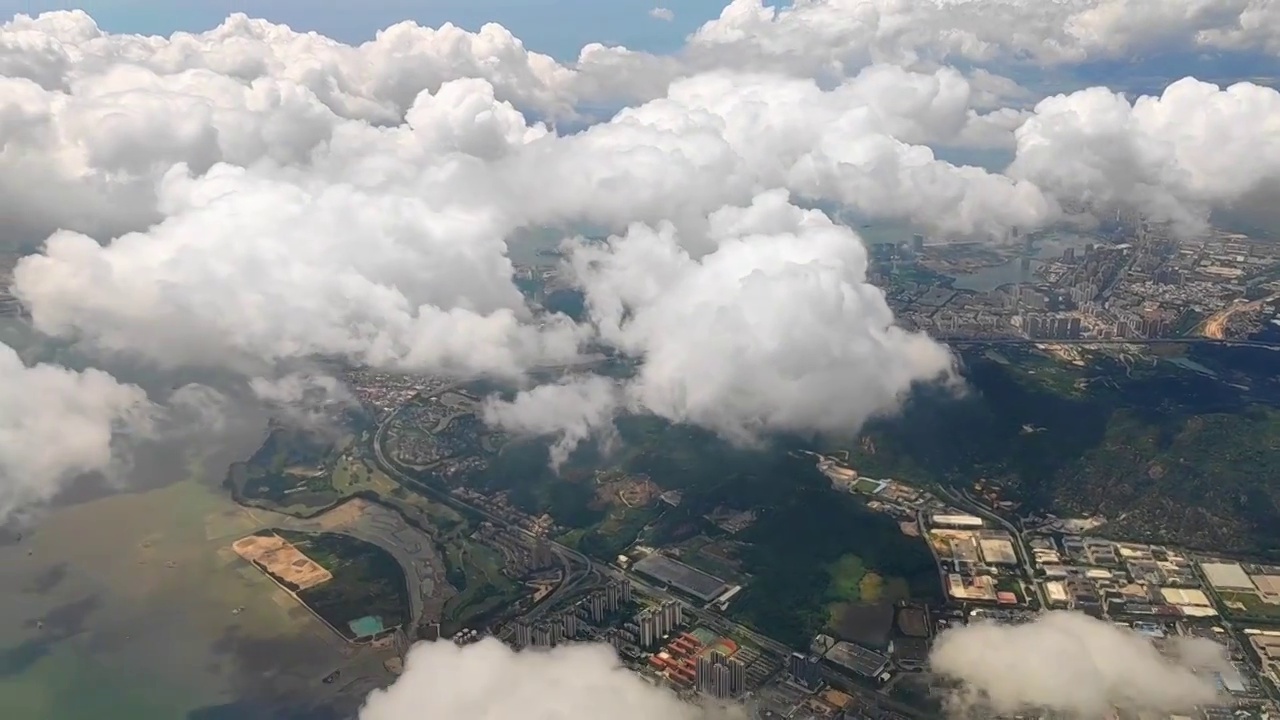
<point>556,27</point>
<point>561,27</point>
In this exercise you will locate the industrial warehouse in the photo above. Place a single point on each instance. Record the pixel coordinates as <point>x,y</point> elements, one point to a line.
<point>686,579</point>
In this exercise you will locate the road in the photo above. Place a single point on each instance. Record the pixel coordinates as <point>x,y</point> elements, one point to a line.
<point>568,556</point>
<point>1158,341</point>
<point>1216,326</point>
<point>963,499</point>
<point>378,526</point>
<point>712,620</point>
<point>937,561</point>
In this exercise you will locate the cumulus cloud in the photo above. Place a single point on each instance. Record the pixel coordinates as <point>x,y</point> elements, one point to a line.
<point>246,273</point>
<point>775,329</point>
<point>57,424</point>
<point>1195,148</point>
<point>831,36</point>
<point>722,137</point>
<point>251,198</point>
<point>575,409</point>
<point>304,399</point>
<point>376,81</point>
<point>1069,662</point>
<point>488,680</point>
<point>663,14</point>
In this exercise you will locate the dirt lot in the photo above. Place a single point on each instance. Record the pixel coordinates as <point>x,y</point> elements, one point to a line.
<point>282,560</point>
<point>626,491</point>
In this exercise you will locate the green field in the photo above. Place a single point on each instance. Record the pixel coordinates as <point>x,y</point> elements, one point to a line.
<point>367,580</point>
<point>292,469</point>
<point>847,575</point>
<point>475,571</point>
<point>866,486</point>
<point>1255,609</point>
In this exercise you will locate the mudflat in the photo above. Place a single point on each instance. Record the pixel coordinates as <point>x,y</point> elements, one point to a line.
<point>135,606</point>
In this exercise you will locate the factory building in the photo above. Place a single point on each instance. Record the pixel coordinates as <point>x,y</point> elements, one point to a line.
<point>956,521</point>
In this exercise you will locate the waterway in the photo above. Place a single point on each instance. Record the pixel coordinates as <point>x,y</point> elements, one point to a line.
<point>133,607</point>
<point>1044,249</point>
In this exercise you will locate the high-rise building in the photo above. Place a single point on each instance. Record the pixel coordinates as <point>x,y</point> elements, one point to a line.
<point>669,616</point>
<point>570,623</point>
<point>737,677</point>
<point>720,677</point>
<point>523,634</point>
<point>804,669</point>
<point>721,682</point>
<point>648,629</point>
<point>598,606</point>
<point>612,595</point>
<point>702,676</point>
<point>542,635</point>
<point>626,592</point>
<point>917,243</point>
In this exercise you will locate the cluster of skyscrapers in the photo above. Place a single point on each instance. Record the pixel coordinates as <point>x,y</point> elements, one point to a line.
<point>547,633</point>
<point>720,677</point>
<point>655,623</point>
<point>607,600</point>
<point>565,626</point>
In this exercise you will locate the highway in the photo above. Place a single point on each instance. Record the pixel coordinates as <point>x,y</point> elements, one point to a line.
<point>715,621</point>
<point>712,620</point>
<point>566,554</point>
<point>963,499</point>
<point>1159,341</point>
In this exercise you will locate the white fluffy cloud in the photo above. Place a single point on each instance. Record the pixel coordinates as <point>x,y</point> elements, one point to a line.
<point>574,410</point>
<point>775,329</point>
<point>1072,663</point>
<point>1195,148</point>
<point>376,81</point>
<point>488,680</point>
<point>56,424</point>
<point>101,146</point>
<point>832,36</point>
<point>246,273</point>
<point>721,138</point>
<point>251,197</point>
<point>663,14</point>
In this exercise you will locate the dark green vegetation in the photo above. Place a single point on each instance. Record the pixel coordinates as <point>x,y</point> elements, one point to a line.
<point>291,468</point>
<point>812,552</point>
<point>1164,452</point>
<point>803,526</point>
<point>475,571</point>
<point>367,580</point>
<point>294,468</point>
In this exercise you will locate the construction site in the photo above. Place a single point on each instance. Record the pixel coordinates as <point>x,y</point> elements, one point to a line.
<point>282,561</point>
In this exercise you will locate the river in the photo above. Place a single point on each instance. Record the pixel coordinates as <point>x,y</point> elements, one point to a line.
<point>1045,249</point>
